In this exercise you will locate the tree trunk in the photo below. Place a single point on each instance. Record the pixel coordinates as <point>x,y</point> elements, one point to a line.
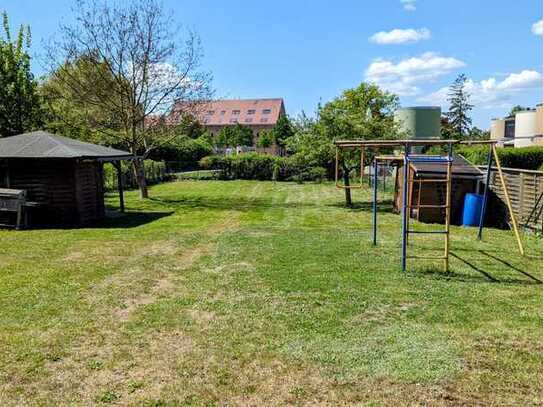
<point>139,173</point>
<point>346,182</point>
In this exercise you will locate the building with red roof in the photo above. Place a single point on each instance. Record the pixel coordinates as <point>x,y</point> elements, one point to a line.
<point>257,114</point>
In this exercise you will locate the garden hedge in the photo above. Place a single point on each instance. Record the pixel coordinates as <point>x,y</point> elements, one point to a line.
<point>526,158</point>
<point>254,166</point>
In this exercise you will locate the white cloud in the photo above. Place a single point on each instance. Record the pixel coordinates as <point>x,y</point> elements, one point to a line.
<point>399,36</point>
<point>404,76</point>
<point>491,93</point>
<point>537,28</point>
<point>409,5</point>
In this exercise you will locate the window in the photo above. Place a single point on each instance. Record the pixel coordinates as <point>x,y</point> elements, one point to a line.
<point>264,120</point>
<point>251,112</point>
<point>210,112</point>
<point>266,111</point>
<point>235,112</point>
<point>248,120</point>
<point>233,120</point>
<point>223,112</point>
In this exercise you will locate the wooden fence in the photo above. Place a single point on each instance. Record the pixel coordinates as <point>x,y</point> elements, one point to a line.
<point>525,189</point>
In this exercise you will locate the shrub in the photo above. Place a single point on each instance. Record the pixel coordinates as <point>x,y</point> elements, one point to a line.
<point>155,172</point>
<point>183,153</point>
<point>526,158</point>
<point>262,167</point>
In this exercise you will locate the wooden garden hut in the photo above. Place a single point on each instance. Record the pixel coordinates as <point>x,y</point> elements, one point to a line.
<point>62,177</point>
<point>465,179</point>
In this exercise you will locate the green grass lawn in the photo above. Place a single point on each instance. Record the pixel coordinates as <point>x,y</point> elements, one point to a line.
<point>255,293</point>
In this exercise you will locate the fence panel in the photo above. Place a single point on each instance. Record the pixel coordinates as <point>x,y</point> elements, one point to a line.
<point>525,190</point>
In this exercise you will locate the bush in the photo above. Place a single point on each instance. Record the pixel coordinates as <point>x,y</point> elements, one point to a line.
<point>526,158</point>
<point>254,166</point>
<point>183,153</point>
<point>155,172</point>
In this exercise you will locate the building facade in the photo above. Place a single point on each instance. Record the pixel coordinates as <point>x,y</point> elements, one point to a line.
<point>257,114</point>
<point>524,129</point>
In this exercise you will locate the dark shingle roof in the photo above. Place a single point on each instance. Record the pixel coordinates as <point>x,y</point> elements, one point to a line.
<point>40,144</point>
<point>460,166</point>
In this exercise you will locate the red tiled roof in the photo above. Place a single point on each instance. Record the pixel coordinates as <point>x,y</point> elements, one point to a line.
<point>248,112</point>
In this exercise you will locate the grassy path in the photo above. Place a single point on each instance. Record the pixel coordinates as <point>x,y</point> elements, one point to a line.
<point>246,293</point>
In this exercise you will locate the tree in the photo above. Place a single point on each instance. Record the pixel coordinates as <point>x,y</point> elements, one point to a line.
<point>516,109</point>
<point>476,133</point>
<point>68,114</point>
<point>235,136</point>
<point>282,131</point>
<point>447,131</point>
<point>19,100</point>
<point>265,139</point>
<point>365,112</point>
<point>152,63</point>
<point>459,112</point>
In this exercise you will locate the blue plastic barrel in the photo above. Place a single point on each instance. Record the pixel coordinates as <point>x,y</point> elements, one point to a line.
<point>473,205</point>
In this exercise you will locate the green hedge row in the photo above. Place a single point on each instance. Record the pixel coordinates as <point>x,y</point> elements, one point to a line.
<point>155,172</point>
<point>526,158</point>
<point>263,167</point>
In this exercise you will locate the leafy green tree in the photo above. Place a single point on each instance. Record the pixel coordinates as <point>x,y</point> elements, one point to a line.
<point>20,109</point>
<point>235,136</point>
<point>282,131</point>
<point>191,127</point>
<point>447,131</point>
<point>476,133</point>
<point>265,139</point>
<point>459,112</point>
<point>365,112</point>
<point>516,109</point>
<point>69,114</point>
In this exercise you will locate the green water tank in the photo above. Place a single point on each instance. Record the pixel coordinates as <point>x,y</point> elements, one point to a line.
<point>420,122</point>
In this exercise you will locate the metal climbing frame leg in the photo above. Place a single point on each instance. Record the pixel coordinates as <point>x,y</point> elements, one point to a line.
<point>485,196</point>
<point>404,208</point>
<point>375,167</point>
<point>448,208</point>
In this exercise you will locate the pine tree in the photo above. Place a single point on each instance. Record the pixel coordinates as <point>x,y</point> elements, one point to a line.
<point>458,115</point>
<point>20,108</point>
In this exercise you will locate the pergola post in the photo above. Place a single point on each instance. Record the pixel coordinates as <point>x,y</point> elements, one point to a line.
<point>120,187</point>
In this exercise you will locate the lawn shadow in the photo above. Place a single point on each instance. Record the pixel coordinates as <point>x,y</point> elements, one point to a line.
<point>510,266</point>
<point>129,220</point>
<point>382,207</point>
<point>238,203</point>
<point>487,276</point>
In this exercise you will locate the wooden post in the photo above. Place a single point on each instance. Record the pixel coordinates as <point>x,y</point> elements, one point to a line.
<point>337,166</point>
<point>508,200</point>
<point>448,209</point>
<point>120,187</point>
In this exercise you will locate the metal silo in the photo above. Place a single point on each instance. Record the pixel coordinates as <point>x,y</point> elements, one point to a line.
<point>525,128</point>
<point>420,122</point>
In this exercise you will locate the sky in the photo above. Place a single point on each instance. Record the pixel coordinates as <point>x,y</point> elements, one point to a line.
<point>310,51</point>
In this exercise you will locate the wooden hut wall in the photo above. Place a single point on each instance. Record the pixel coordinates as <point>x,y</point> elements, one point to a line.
<point>69,192</point>
<point>89,191</point>
<point>434,194</point>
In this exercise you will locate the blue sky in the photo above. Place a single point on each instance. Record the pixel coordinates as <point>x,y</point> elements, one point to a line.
<point>309,51</point>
